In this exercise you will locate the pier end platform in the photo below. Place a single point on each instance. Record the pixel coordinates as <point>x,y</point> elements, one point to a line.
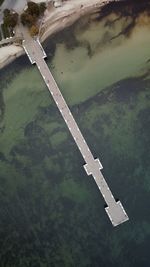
<point>117,214</point>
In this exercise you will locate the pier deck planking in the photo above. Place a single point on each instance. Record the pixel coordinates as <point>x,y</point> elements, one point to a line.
<point>36,54</point>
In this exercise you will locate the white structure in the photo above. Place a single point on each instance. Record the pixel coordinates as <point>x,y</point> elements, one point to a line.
<point>92,166</point>
<point>57,3</point>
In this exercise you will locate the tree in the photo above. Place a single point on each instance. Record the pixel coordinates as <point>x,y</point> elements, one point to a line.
<point>30,16</point>
<point>6,12</point>
<point>27,19</point>
<point>33,9</point>
<point>42,8</point>
<point>10,19</point>
<point>34,30</point>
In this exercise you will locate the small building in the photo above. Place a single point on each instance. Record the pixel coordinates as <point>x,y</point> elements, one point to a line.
<point>57,3</point>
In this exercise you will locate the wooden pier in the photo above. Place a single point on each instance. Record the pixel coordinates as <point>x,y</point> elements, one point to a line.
<point>92,166</point>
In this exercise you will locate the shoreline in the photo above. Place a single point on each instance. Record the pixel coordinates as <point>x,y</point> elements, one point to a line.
<point>54,21</point>
<point>10,57</point>
<point>68,16</point>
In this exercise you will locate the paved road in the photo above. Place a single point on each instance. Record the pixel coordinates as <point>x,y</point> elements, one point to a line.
<point>92,166</point>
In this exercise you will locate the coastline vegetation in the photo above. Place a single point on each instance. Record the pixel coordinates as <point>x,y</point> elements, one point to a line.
<point>10,20</point>
<point>1,2</point>
<point>31,15</point>
<point>5,31</point>
<point>29,18</point>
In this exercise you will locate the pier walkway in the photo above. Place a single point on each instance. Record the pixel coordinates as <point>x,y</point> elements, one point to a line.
<point>92,166</point>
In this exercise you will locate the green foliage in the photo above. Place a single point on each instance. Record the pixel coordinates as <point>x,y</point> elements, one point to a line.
<point>10,19</point>
<point>42,8</point>
<point>27,19</point>
<point>34,30</point>
<point>31,15</point>
<point>5,31</point>
<point>33,9</point>
<point>1,2</point>
<point>6,12</point>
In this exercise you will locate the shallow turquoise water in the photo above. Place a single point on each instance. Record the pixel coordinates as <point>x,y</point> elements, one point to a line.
<point>51,213</point>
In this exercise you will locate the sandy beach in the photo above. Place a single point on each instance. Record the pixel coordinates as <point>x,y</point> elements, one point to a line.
<point>57,19</point>
<point>54,20</point>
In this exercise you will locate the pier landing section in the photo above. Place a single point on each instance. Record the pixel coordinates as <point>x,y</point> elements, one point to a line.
<point>92,166</point>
